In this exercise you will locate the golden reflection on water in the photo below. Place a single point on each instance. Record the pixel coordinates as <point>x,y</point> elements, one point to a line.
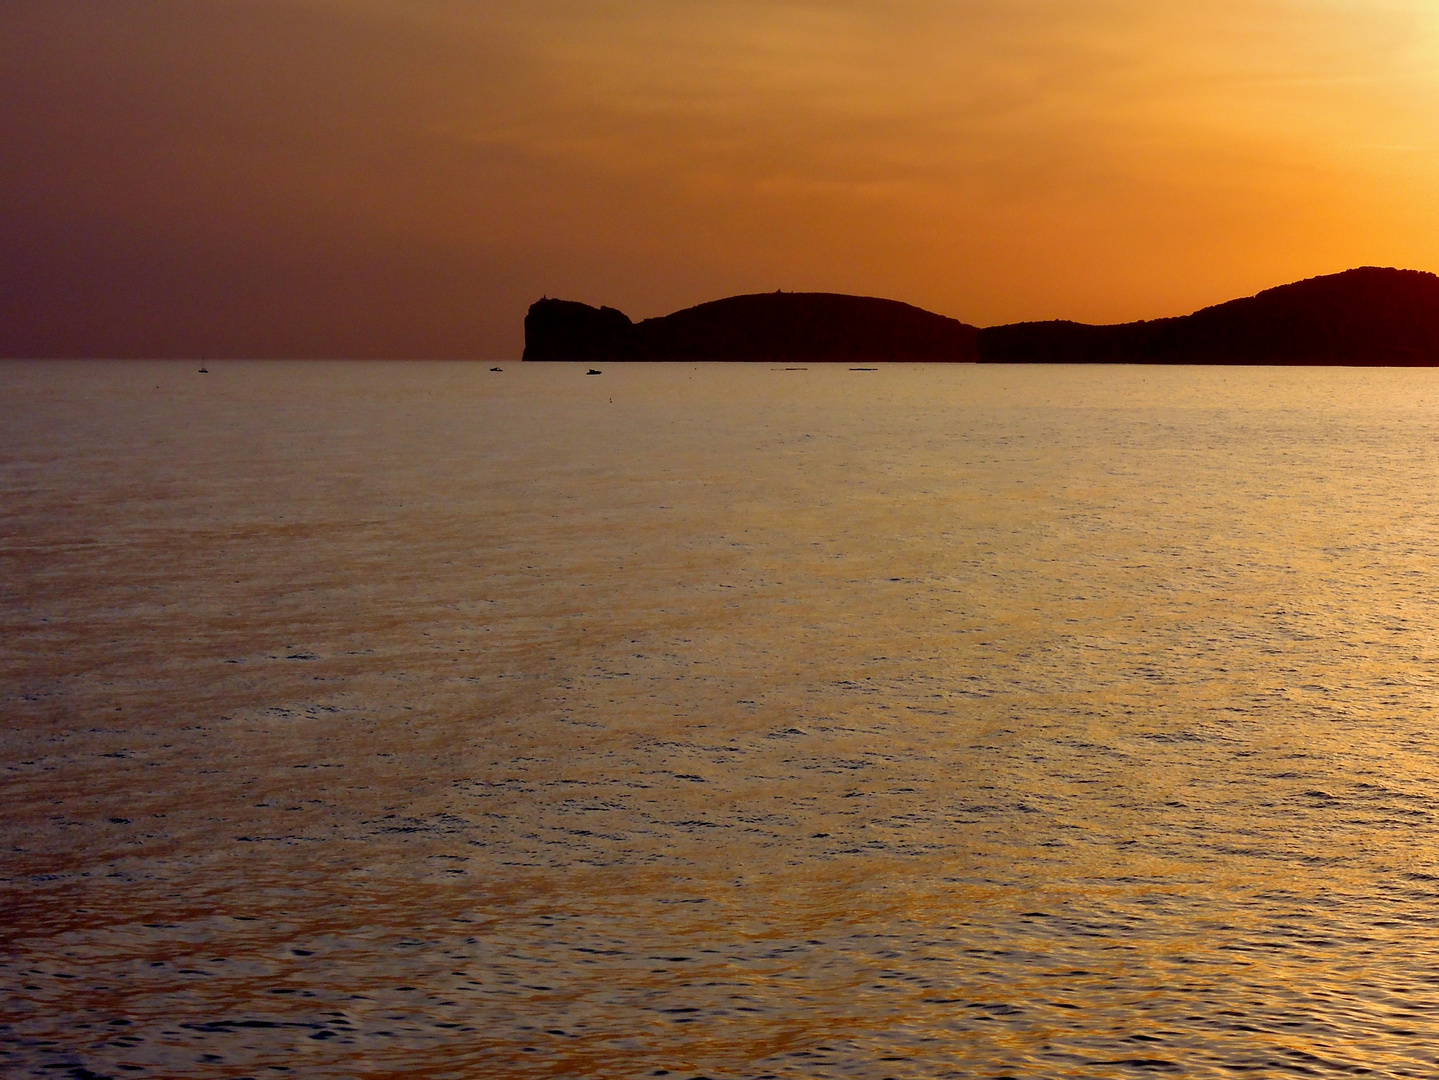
<point>407,720</point>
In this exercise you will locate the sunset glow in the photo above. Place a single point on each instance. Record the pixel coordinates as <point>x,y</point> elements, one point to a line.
<point>372,177</point>
<point>746,539</point>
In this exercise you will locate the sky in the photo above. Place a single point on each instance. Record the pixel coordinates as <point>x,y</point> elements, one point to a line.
<point>404,177</point>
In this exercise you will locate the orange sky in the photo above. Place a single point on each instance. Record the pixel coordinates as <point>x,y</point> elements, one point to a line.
<point>378,177</point>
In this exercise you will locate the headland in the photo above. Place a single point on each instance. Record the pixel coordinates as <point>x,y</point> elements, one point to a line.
<point>1367,317</point>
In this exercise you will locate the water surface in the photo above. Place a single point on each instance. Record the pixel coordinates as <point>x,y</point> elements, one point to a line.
<point>418,720</point>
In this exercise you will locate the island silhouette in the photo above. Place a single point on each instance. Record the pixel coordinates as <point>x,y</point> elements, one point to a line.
<point>766,326</point>
<point>1370,317</point>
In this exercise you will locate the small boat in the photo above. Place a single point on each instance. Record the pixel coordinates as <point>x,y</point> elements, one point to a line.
<point>497,369</point>
<point>594,371</point>
<point>204,371</point>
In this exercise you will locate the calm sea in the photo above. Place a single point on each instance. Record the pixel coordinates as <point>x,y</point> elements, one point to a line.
<point>421,720</point>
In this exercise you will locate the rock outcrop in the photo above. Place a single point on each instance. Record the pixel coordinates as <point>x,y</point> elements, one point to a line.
<point>765,326</point>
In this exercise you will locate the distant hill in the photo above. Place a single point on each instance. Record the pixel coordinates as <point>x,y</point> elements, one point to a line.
<point>763,326</point>
<point>1371,316</point>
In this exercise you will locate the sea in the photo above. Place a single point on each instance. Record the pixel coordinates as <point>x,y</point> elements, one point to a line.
<point>431,720</point>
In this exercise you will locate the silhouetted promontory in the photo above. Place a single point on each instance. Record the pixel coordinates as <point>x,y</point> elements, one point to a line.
<point>1371,316</point>
<point>765,326</point>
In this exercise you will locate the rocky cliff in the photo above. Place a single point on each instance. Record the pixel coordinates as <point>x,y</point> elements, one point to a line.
<point>776,327</point>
